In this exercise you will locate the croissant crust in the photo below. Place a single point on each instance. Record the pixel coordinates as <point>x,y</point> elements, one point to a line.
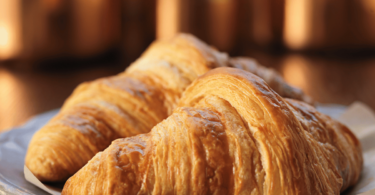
<point>230,134</point>
<point>129,104</point>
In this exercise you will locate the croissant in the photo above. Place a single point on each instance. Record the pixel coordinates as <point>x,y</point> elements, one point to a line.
<point>231,134</point>
<point>124,105</point>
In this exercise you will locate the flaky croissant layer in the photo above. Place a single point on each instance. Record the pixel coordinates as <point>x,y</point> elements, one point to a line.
<point>231,134</point>
<point>129,104</point>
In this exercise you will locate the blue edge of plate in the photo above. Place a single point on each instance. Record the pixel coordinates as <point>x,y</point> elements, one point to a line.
<point>13,147</point>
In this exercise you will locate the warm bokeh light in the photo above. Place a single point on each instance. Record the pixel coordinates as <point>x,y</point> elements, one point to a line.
<point>221,16</point>
<point>294,71</point>
<point>296,29</point>
<point>167,18</point>
<point>10,94</point>
<point>368,3</point>
<point>7,42</point>
<point>10,28</point>
<point>4,36</point>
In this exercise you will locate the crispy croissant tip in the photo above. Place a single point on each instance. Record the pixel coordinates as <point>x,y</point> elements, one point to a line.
<point>45,170</point>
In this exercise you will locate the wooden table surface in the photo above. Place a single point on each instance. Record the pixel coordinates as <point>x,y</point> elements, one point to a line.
<point>341,80</point>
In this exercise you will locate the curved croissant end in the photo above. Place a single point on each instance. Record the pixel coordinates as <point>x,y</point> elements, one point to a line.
<point>231,134</point>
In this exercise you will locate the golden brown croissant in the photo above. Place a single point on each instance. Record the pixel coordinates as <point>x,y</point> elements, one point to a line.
<point>231,134</point>
<point>128,104</point>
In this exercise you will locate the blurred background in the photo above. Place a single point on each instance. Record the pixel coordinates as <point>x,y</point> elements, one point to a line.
<point>48,47</point>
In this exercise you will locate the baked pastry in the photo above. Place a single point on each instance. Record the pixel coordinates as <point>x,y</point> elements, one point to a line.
<point>125,105</point>
<point>231,134</point>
